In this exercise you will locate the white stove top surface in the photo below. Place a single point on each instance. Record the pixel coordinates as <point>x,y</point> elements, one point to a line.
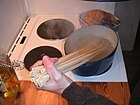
<point>116,73</point>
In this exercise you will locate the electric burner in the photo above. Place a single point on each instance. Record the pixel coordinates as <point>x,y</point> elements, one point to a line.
<point>37,54</point>
<point>55,29</point>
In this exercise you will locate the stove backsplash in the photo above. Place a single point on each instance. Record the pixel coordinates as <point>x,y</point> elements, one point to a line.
<point>36,7</point>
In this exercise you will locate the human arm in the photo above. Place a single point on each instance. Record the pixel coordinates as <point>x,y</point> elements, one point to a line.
<point>76,95</point>
<point>59,83</point>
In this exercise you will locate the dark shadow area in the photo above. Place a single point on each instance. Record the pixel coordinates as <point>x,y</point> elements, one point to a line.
<point>132,62</point>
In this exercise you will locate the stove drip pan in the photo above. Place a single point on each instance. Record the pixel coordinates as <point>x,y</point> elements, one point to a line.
<point>55,29</point>
<point>37,54</point>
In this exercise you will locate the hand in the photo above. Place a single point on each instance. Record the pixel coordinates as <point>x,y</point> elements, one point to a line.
<point>57,82</point>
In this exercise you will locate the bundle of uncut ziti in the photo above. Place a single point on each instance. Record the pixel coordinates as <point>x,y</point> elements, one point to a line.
<point>69,62</point>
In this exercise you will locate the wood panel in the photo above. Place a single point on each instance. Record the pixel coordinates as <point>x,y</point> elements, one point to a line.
<point>29,95</point>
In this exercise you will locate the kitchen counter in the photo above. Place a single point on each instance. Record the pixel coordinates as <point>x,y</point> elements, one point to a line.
<point>118,92</point>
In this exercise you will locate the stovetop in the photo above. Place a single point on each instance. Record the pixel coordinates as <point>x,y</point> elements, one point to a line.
<point>28,40</point>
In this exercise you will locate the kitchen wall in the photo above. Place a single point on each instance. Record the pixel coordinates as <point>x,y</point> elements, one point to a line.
<point>12,17</point>
<point>36,7</point>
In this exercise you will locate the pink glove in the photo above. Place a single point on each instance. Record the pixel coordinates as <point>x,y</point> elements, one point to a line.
<point>57,82</point>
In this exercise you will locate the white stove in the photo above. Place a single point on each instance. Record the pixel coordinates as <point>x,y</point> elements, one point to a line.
<point>28,39</point>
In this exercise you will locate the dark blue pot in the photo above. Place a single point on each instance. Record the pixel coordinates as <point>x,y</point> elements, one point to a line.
<point>85,35</point>
<point>95,68</point>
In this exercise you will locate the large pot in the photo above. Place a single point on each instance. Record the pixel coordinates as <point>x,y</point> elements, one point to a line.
<point>91,34</point>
